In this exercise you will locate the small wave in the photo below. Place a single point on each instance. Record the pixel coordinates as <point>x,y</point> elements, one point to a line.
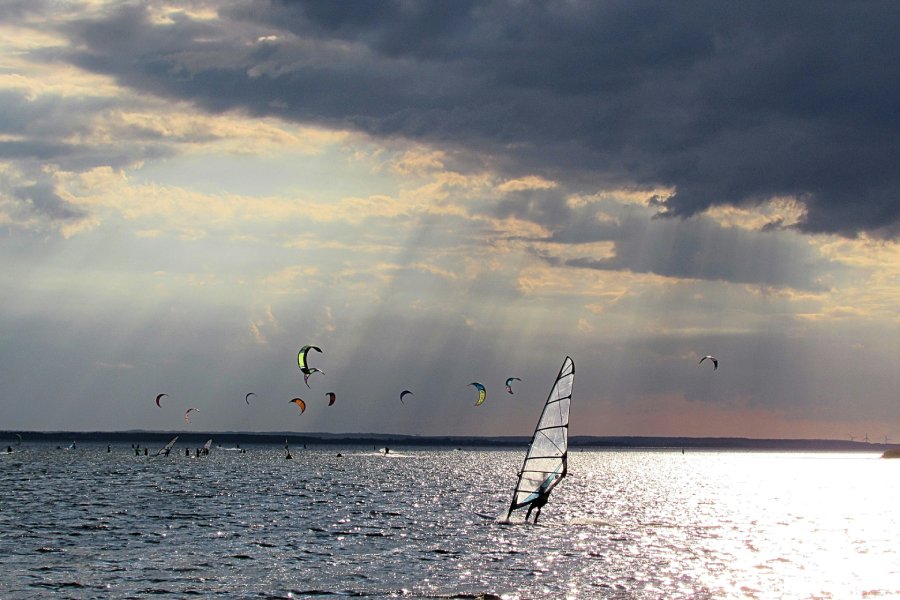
<point>467,596</point>
<point>316,592</point>
<point>58,585</point>
<point>590,521</point>
<point>93,527</point>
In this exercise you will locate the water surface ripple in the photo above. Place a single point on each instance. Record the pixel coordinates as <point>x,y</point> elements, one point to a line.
<point>88,523</point>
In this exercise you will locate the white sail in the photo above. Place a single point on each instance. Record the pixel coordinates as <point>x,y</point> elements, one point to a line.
<point>208,444</point>
<point>545,463</point>
<point>167,448</point>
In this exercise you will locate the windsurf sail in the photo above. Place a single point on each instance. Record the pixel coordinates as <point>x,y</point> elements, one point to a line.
<point>167,448</point>
<point>545,463</point>
<point>207,445</point>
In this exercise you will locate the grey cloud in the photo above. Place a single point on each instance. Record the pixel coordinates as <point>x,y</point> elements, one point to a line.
<point>547,207</point>
<point>39,128</point>
<point>702,249</point>
<point>726,104</point>
<point>48,115</point>
<point>35,150</point>
<point>41,199</point>
<point>17,9</point>
<point>698,248</point>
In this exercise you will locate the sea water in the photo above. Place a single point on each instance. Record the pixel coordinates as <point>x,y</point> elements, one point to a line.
<point>416,523</point>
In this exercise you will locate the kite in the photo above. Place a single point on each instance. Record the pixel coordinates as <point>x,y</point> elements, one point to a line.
<point>301,358</point>
<point>158,398</point>
<point>331,398</point>
<point>715,361</point>
<point>509,383</point>
<point>247,397</point>
<point>404,393</point>
<point>187,414</point>
<point>482,393</point>
<point>299,402</point>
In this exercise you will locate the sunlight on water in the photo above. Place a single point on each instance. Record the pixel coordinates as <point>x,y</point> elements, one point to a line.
<point>624,524</point>
<point>747,524</point>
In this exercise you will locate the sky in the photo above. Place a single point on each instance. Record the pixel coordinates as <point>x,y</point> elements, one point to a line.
<point>437,193</point>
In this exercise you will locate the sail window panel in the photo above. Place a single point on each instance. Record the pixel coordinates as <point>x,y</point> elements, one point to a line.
<point>555,415</point>
<point>541,465</point>
<point>564,387</point>
<point>552,442</point>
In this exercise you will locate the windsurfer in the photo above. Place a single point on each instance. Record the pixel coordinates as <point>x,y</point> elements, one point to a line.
<point>538,504</point>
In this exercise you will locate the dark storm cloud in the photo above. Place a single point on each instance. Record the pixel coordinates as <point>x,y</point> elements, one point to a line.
<point>724,103</point>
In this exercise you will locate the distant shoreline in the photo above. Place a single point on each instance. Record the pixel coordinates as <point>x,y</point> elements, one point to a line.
<point>360,439</point>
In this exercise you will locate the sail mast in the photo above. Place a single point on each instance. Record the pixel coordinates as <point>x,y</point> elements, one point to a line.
<point>546,462</point>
